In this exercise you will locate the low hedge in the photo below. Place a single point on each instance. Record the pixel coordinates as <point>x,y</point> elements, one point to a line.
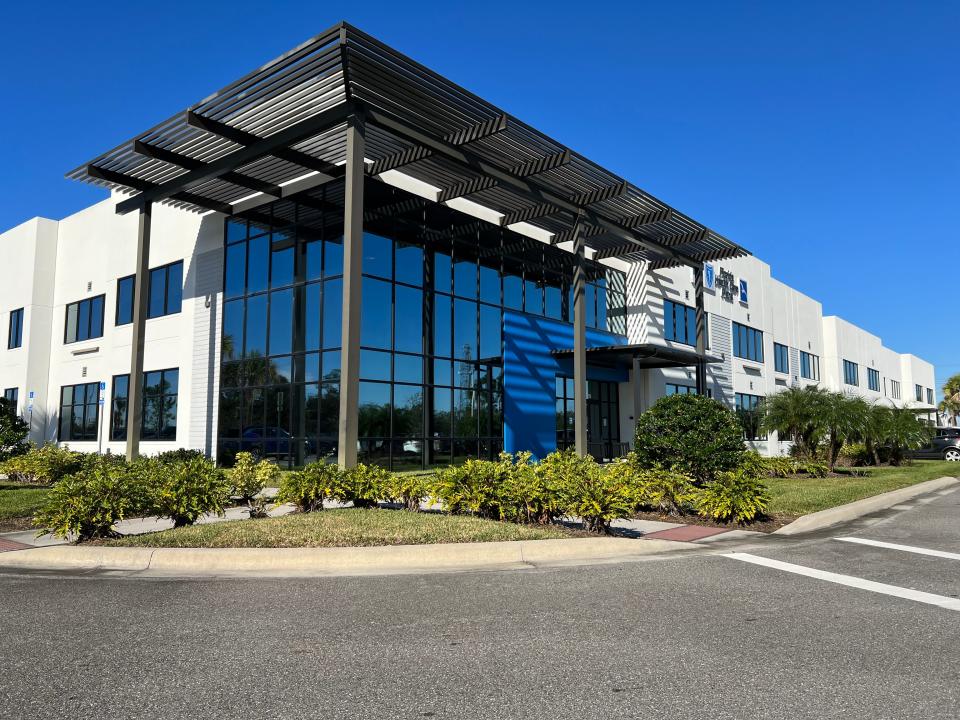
<point>43,465</point>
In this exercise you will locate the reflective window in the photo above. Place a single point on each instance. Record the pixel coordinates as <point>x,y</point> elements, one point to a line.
<point>79,412</point>
<point>125,297</point>
<point>851,373</point>
<point>165,290</point>
<point>377,256</point>
<point>15,329</point>
<point>781,358</point>
<point>375,317</point>
<point>84,320</point>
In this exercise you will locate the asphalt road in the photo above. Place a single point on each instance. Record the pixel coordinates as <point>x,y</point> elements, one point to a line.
<point>699,636</point>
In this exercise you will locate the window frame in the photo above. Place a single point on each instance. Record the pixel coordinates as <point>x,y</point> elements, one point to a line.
<point>15,339</point>
<point>166,289</point>
<point>812,363</point>
<point>895,389</point>
<point>918,392</point>
<point>688,314</point>
<point>851,370</point>
<point>779,350</point>
<point>73,405</point>
<point>133,300</point>
<point>753,337</point>
<point>755,402</point>
<point>66,319</point>
<point>873,379</point>
<point>126,419</point>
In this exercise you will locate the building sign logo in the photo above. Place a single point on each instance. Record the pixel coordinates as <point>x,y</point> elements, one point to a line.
<point>744,295</point>
<point>708,277</point>
<point>727,285</point>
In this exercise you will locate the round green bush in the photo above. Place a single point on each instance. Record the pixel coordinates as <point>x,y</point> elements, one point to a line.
<point>691,434</point>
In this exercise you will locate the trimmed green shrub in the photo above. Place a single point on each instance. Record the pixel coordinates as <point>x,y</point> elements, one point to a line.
<point>409,490</point>
<point>732,496</point>
<point>13,431</point>
<point>179,455</point>
<point>250,477</point>
<point>813,469</point>
<point>363,485</point>
<point>855,455</point>
<point>691,434</point>
<point>664,491</point>
<point>757,465</point>
<point>43,465</point>
<point>469,489</point>
<point>89,503</point>
<point>184,491</point>
<point>595,494</point>
<point>309,487</point>
<point>529,491</point>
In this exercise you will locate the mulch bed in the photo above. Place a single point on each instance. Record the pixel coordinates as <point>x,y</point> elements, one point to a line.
<point>15,524</point>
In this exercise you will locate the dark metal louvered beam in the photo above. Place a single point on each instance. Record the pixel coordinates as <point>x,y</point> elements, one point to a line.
<point>242,137</point>
<point>129,181</point>
<point>189,163</point>
<point>247,154</point>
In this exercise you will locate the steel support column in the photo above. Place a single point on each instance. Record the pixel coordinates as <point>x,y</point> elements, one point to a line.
<point>701,318</point>
<point>141,293</point>
<point>579,346</point>
<point>352,264</point>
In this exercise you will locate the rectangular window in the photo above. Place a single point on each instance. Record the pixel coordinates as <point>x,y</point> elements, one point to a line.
<point>159,414</point>
<point>11,396</point>
<point>747,342</point>
<point>79,412</point>
<point>809,366</point>
<point>851,373</point>
<point>873,379</point>
<point>895,389</point>
<point>125,287</point>
<point>675,389</point>
<point>781,358</point>
<point>165,290</point>
<point>84,320</point>
<point>918,392</point>
<point>929,396</point>
<point>679,323</point>
<point>15,331</point>
<point>750,411</point>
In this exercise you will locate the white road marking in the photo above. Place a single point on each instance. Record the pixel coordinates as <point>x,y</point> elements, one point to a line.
<point>850,581</point>
<point>905,548</point>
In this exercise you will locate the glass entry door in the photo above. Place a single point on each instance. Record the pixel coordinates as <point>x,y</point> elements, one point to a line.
<point>603,418</point>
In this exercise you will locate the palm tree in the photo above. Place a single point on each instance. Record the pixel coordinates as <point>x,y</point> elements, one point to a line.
<point>876,430</point>
<point>796,414</point>
<point>846,419</point>
<point>905,432</point>
<point>951,398</point>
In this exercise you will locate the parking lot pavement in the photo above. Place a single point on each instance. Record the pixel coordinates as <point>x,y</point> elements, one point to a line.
<point>911,554</point>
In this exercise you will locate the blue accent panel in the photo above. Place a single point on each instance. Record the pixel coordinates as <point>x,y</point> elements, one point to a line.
<point>530,374</point>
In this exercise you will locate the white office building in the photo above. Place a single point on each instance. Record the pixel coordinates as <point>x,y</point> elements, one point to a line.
<point>343,252</point>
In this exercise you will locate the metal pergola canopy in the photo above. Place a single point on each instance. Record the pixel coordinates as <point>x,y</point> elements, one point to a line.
<point>282,129</point>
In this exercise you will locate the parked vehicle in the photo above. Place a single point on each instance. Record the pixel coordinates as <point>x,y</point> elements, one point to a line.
<point>945,445</point>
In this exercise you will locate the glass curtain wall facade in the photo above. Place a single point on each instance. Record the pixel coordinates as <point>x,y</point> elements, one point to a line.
<point>435,286</point>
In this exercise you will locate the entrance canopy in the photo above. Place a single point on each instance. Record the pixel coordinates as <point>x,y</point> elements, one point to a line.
<point>283,129</point>
<point>647,355</point>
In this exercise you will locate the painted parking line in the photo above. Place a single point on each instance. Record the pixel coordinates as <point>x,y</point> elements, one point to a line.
<point>947,603</point>
<point>905,548</point>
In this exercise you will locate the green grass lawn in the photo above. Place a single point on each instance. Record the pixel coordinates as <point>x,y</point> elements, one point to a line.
<point>349,527</point>
<point>18,502</point>
<point>801,496</point>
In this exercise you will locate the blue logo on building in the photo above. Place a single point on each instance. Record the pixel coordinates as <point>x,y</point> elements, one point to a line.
<point>708,277</point>
<point>744,296</point>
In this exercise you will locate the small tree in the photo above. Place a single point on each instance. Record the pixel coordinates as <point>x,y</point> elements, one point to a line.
<point>13,431</point>
<point>691,434</point>
<point>846,418</point>
<point>905,432</point>
<point>951,398</point>
<point>796,414</point>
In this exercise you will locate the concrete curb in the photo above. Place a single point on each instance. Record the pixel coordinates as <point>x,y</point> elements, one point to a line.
<point>387,560</point>
<point>859,508</point>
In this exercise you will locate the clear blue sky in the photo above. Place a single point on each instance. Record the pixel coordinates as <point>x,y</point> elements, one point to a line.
<point>823,136</point>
